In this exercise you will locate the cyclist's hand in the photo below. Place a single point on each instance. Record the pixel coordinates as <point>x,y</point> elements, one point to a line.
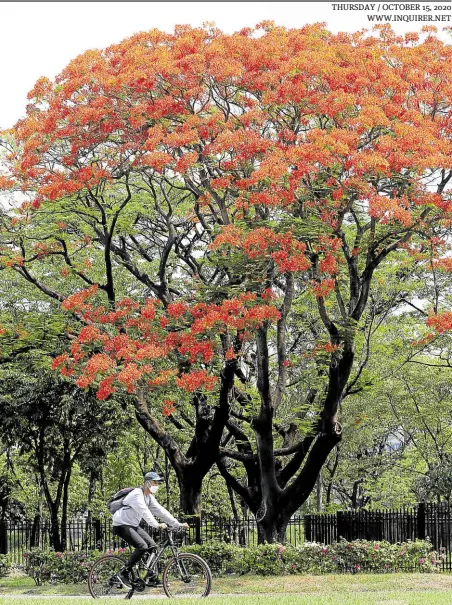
<point>163,526</point>
<point>185,525</point>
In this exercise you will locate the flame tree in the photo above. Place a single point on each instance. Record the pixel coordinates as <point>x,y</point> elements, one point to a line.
<point>230,179</point>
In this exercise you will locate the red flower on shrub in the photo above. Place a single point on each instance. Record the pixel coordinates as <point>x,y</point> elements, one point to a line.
<point>376,547</point>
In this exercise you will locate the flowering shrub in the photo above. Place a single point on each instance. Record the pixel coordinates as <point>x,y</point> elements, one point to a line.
<point>56,567</point>
<point>5,565</point>
<point>264,559</point>
<point>313,558</point>
<point>383,556</point>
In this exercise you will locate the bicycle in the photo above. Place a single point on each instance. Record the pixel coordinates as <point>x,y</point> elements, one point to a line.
<point>186,574</point>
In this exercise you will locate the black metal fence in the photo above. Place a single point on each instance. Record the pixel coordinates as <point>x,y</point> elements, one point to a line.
<point>432,521</point>
<point>17,538</point>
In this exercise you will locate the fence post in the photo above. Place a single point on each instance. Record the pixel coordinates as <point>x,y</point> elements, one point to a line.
<point>197,523</point>
<point>3,538</point>
<point>340,524</point>
<point>421,525</point>
<point>97,534</point>
<point>308,528</point>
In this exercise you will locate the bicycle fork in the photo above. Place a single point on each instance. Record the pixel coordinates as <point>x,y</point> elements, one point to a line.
<point>183,572</point>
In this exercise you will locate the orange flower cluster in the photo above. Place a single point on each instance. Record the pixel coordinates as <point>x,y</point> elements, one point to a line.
<point>440,323</point>
<point>445,264</point>
<point>389,210</point>
<point>287,252</point>
<point>133,336</point>
<point>78,300</point>
<point>194,381</point>
<point>324,288</point>
<point>168,407</point>
<point>99,363</point>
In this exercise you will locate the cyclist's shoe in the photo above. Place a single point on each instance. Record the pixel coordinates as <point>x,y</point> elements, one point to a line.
<point>153,581</point>
<point>125,575</point>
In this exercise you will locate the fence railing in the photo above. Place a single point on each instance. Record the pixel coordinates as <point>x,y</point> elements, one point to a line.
<point>17,538</point>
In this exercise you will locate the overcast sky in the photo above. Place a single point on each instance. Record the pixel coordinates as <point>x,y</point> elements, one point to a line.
<point>40,38</point>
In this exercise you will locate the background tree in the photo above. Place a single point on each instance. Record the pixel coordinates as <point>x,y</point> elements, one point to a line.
<point>54,425</point>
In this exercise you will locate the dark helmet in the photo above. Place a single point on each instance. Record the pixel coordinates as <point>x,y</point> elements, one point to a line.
<point>152,476</point>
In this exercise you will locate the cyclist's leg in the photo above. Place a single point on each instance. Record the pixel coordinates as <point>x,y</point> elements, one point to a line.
<point>146,537</point>
<point>133,537</point>
<point>151,575</point>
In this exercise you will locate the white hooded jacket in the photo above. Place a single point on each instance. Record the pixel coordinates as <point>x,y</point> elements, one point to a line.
<point>137,506</point>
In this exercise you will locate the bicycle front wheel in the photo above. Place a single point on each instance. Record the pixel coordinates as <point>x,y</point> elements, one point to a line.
<point>187,575</point>
<point>103,578</point>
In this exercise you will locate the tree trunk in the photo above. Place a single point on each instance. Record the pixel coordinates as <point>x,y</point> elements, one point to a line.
<point>35,537</point>
<point>36,531</point>
<point>355,495</point>
<point>203,451</point>
<point>273,509</point>
<point>319,494</point>
<point>67,480</point>
<point>93,477</point>
<point>190,487</point>
<point>271,529</point>
<point>55,535</point>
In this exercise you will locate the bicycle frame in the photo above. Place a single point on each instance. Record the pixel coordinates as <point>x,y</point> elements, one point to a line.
<point>168,542</point>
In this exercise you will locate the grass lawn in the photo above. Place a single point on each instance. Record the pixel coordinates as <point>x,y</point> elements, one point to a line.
<point>386,598</point>
<point>362,589</point>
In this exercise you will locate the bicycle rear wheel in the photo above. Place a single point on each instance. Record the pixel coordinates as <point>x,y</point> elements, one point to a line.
<point>187,575</point>
<point>103,578</point>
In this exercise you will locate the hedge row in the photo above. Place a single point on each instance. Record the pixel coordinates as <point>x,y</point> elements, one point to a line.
<point>313,558</point>
<point>265,559</point>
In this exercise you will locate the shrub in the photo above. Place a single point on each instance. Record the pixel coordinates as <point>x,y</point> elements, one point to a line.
<point>56,567</point>
<point>5,565</point>
<point>264,559</point>
<point>220,555</point>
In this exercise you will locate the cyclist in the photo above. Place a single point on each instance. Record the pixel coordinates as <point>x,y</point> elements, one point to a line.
<point>141,504</point>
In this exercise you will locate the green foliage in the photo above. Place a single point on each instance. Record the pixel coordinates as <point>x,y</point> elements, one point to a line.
<point>5,565</point>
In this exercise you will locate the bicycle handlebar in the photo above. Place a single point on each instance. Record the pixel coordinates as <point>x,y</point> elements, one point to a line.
<point>176,530</point>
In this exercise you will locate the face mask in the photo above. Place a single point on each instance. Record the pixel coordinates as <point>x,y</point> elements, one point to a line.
<point>153,489</point>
